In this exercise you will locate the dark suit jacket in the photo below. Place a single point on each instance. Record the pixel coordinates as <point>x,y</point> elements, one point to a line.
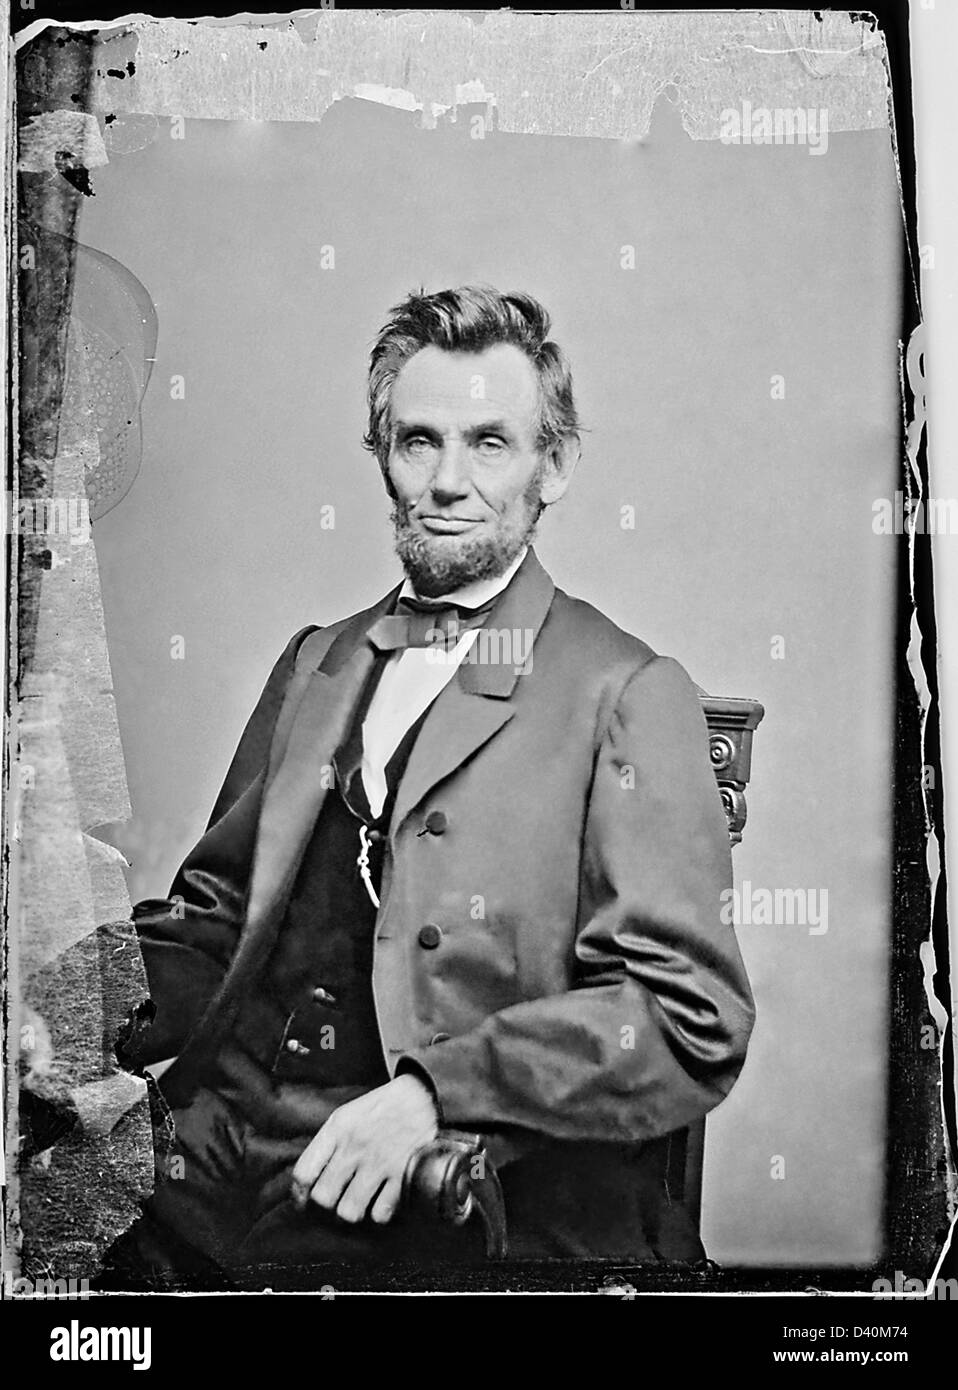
<point>585,998</point>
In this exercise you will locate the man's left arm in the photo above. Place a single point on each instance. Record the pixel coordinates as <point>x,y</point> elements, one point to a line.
<point>653,1032</point>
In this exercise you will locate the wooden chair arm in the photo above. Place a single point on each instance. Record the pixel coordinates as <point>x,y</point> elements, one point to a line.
<point>451,1178</point>
<point>732,723</point>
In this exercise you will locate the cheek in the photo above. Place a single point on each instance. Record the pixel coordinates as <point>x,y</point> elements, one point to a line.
<point>504,496</point>
<point>407,482</point>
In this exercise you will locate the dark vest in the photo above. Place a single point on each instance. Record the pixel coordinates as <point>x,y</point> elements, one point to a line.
<point>312,1018</point>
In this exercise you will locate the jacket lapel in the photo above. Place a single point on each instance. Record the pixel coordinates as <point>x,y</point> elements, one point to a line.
<point>477,701</point>
<point>299,777</point>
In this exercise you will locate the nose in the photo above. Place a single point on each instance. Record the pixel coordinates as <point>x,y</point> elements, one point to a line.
<point>450,479</point>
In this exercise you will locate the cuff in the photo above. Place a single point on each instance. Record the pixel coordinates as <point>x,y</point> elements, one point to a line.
<point>410,1066</point>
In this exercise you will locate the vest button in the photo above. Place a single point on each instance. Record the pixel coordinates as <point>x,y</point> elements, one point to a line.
<point>430,936</point>
<point>374,836</point>
<point>297,1048</point>
<point>436,823</point>
<point>439,1038</point>
<point>323,996</point>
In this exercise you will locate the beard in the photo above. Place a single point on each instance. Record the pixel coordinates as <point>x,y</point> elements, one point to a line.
<point>436,565</point>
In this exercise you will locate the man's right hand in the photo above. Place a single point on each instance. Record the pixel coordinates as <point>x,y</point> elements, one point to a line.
<point>359,1158</point>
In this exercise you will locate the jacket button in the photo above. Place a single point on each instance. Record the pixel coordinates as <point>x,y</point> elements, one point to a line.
<point>436,823</point>
<point>323,996</point>
<point>430,936</point>
<point>439,1038</point>
<point>297,1048</point>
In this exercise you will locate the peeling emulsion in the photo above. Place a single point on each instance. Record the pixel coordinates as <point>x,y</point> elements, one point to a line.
<point>913,371</point>
<point>595,75</point>
<point>85,1150</point>
<point>45,136</point>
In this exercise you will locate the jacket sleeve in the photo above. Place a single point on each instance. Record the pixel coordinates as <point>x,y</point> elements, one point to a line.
<point>653,1031</point>
<point>187,939</point>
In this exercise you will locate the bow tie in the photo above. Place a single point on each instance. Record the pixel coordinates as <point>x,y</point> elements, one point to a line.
<point>424,623</point>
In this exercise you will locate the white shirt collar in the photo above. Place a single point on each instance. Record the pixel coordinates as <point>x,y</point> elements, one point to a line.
<point>479,591</point>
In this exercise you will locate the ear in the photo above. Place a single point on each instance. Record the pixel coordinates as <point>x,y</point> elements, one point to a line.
<point>561,460</point>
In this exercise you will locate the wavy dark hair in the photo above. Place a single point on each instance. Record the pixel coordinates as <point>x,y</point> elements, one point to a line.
<point>470,319</point>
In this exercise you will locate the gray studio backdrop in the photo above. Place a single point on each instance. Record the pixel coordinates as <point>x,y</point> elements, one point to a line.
<point>752,559</point>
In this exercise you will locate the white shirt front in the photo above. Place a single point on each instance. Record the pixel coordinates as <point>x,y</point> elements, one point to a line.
<point>412,680</point>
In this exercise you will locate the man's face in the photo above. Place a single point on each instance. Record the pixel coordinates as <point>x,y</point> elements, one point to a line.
<point>465,469</point>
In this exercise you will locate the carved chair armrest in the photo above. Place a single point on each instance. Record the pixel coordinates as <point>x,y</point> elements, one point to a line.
<point>731,724</point>
<point>451,1178</point>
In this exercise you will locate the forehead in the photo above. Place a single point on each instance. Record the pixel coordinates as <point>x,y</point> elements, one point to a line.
<point>470,385</point>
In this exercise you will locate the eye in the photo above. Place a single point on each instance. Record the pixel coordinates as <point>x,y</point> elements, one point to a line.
<point>417,444</point>
<point>492,444</point>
